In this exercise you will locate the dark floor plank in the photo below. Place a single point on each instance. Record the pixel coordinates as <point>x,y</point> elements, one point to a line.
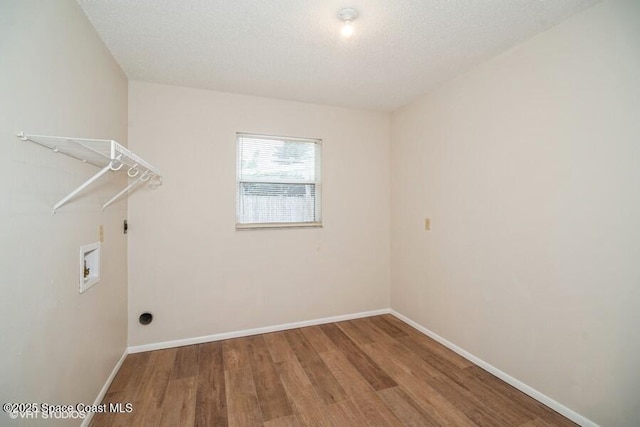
<point>371,372</point>
<point>345,413</point>
<point>377,334</point>
<point>408,359</point>
<point>319,341</point>
<point>279,347</point>
<point>349,378</point>
<point>555,419</point>
<point>211,398</point>
<point>290,421</point>
<point>432,402</point>
<point>539,423</point>
<point>446,413</point>
<point>314,367</point>
<point>494,398</point>
<point>179,408</point>
<point>271,394</point>
<point>443,365</point>
<point>428,343</point>
<point>405,408</point>
<point>520,399</point>
<point>469,405</point>
<point>236,354</point>
<point>300,345</point>
<point>130,372</point>
<point>374,411</point>
<point>386,326</point>
<point>242,400</point>
<point>186,363</point>
<point>154,386</point>
<point>323,380</point>
<point>356,332</point>
<point>307,405</point>
<point>382,358</point>
<point>408,329</point>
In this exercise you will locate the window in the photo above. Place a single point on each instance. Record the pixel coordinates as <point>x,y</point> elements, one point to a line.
<point>278,182</point>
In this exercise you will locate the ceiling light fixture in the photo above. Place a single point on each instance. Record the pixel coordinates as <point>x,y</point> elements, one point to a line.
<point>347,15</point>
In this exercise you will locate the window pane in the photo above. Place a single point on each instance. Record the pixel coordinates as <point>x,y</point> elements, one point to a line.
<point>278,181</point>
<point>276,160</point>
<point>276,203</point>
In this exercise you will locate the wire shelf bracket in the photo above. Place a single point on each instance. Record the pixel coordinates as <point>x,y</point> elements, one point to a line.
<point>106,154</point>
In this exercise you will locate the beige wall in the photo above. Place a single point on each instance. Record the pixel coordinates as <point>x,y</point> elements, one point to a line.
<point>529,167</point>
<point>196,273</point>
<point>56,78</point>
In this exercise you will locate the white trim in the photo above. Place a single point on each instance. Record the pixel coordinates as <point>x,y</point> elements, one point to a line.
<point>105,387</point>
<point>276,225</point>
<point>256,331</point>
<point>540,397</point>
<point>279,138</point>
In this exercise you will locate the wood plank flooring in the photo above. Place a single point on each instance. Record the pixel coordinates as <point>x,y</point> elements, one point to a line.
<point>376,371</point>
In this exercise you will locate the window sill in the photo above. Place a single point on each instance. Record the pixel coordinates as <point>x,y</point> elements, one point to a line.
<point>277,225</point>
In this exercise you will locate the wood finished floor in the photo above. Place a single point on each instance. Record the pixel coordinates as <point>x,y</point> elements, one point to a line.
<point>376,371</point>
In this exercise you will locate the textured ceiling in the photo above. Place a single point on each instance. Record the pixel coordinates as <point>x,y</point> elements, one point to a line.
<point>292,49</point>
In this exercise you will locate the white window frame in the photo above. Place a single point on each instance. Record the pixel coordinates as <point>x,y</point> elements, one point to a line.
<point>317,183</point>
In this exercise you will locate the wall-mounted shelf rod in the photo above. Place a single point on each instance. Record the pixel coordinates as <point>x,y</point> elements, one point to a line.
<point>104,153</point>
<point>124,190</point>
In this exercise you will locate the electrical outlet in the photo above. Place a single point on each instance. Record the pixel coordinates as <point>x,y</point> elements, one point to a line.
<point>427,224</point>
<point>101,233</point>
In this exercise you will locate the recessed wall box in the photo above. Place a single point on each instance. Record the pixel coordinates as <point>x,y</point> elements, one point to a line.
<point>89,266</point>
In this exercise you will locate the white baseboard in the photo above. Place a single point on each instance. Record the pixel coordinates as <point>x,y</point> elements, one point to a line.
<point>540,397</point>
<point>105,387</point>
<point>256,331</point>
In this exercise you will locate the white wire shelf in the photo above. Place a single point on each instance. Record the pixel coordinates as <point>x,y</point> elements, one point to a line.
<point>104,153</point>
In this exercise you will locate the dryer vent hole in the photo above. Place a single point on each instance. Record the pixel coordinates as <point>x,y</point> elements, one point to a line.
<point>145,318</point>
